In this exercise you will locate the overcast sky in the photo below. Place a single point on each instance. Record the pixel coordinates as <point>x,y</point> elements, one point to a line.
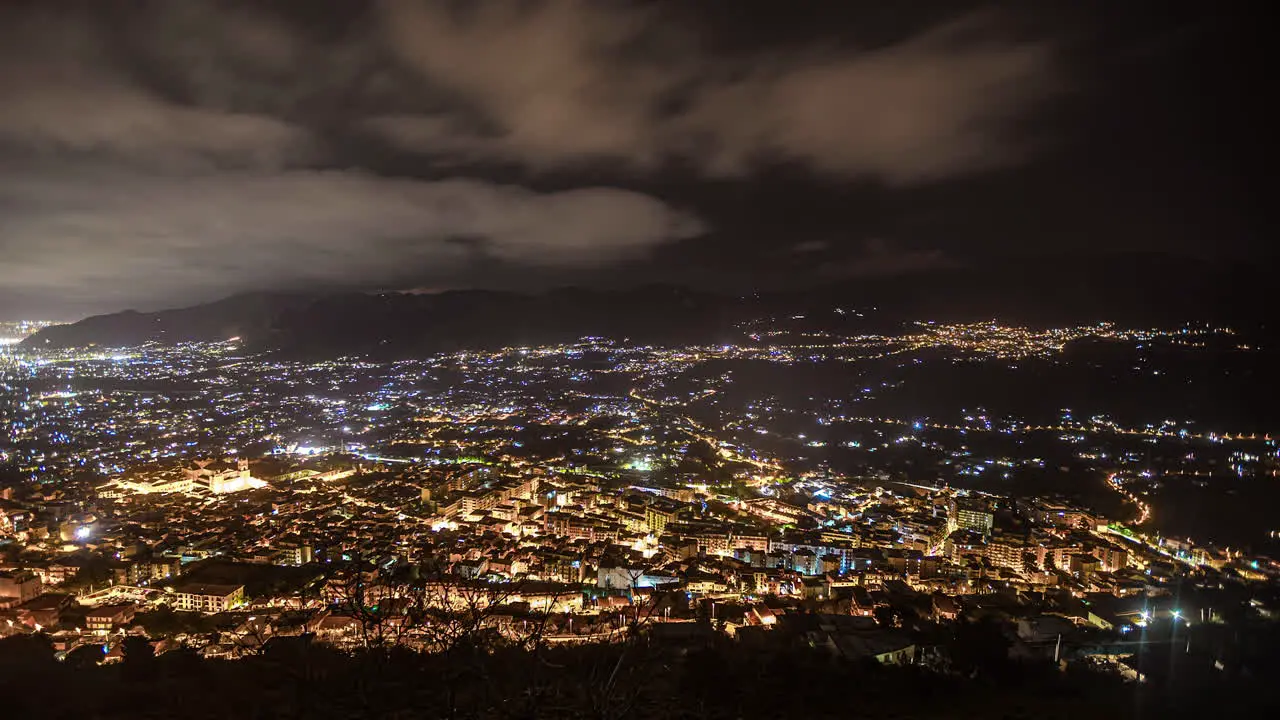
<point>162,153</point>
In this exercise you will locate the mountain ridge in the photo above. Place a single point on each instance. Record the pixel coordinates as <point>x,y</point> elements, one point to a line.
<point>1155,289</point>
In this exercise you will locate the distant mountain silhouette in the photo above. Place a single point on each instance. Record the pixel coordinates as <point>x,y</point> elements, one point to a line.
<point>1139,288</point>
<point>401,324</point>
<point>248,315</point>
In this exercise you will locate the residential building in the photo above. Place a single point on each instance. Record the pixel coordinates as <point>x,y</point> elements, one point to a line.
<point>208,598</point>
<point>18,586</point>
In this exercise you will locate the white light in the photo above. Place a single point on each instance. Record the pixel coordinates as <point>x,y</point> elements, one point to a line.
<point>82,532</point>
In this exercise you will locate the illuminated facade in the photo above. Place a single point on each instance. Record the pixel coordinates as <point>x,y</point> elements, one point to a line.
<point>972,515</point>
<point>208,598</point>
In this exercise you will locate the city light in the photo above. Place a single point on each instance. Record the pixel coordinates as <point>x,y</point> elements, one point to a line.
<point>527,455</point>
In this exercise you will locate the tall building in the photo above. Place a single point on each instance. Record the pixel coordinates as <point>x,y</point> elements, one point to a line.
<point>1083,566</point>
<point>659,516</point>
<point>972,514</point>
<point>295,554</point>
<point>1006,552</point>
<point>1112,558</point>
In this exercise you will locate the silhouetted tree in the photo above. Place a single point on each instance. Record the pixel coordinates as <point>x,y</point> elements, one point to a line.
<point>26,651</point>
<point>979,647</point>
<point>85,656</point>
<point>139,657</point>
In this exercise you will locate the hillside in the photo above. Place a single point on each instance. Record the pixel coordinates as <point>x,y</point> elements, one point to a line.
<point>1132,289</point>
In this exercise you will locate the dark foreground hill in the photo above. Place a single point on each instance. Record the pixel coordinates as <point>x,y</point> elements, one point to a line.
<point>717,680</point>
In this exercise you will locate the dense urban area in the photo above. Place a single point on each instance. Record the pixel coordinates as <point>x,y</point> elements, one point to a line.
<point>850,493</point>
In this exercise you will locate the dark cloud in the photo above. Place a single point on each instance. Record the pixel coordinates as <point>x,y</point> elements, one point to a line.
<point>157,152</point>
<point>561,82</point>
<point>62,94</point>
<point>104,233</point>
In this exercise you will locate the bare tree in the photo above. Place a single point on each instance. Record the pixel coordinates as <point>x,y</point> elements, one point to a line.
<point>251,636</point>
<point>438,611</point>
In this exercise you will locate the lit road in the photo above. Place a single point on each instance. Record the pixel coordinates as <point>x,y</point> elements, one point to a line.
<point>1144,508</point>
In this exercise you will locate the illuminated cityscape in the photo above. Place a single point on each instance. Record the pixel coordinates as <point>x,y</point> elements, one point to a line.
<point>12,333</point>
<point>636,360</point>
<point>582,481</point>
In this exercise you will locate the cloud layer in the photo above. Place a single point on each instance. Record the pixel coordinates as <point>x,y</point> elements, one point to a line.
<point>562,82</point>
<point>157,152</point>
<point>101,233</point>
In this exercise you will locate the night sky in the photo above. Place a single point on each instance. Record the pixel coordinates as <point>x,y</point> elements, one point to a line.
<point>155,154</point>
